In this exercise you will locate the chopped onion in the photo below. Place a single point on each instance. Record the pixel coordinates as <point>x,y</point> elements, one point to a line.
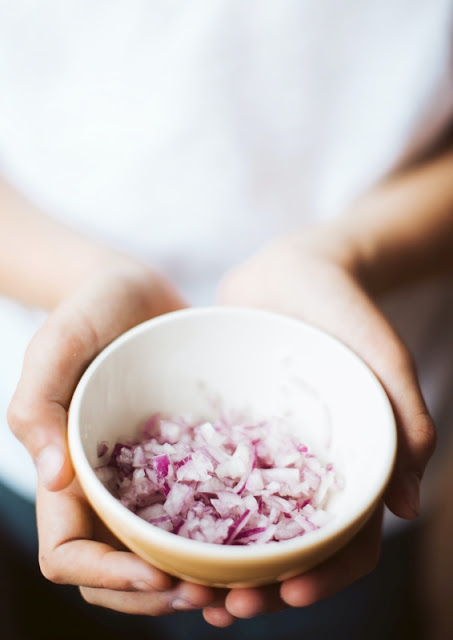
<point>230,481</point>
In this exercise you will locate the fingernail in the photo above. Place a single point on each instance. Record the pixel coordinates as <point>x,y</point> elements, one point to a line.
<point>412,490</point>
<point>182,605</point>
<point>49,464</point>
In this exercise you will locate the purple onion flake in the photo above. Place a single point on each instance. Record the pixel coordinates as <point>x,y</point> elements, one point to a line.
<point>229,481</point>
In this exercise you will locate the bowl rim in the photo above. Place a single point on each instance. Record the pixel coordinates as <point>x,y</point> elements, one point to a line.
<point>139,527</point>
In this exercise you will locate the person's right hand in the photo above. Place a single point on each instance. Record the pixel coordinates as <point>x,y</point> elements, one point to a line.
<point>74,547</point>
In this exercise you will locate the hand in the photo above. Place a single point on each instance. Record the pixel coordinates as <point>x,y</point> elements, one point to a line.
<point>74,547</point>
<point>352,562</point>
<point>309,276</point>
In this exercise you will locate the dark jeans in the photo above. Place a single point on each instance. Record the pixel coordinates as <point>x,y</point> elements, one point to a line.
<point>380,606</point>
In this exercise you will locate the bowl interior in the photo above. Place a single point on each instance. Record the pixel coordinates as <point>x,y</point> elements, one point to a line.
<point>193,361</point>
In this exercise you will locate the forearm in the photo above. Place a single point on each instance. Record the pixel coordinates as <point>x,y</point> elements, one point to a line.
<point>402,230</point>
<point>41,260</point>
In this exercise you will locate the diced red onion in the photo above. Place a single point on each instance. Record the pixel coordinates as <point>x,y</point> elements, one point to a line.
<point>102,448</point>
<point>230,481</point>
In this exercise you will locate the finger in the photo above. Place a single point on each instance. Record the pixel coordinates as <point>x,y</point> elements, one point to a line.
<point>53,364</point>
<point>185,597</point>
<point>366,330</point>
<point>68,554</point>
<point>218,616</point>
<point>59,353</point>
<point>356,560</point>
<point>37,414</point>
<point>94,564</point>
<point>247,603</point>
<point>147,604</point>
<point>382,349</point>
<point>102,533</point>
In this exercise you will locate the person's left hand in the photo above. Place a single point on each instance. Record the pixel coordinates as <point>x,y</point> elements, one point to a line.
<point>313,277</point>
<point>354,561</point>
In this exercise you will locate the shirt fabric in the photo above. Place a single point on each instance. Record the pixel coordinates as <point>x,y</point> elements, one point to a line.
<point>190,133</point>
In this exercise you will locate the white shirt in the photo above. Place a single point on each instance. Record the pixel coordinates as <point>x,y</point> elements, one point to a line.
<point>192,132</point>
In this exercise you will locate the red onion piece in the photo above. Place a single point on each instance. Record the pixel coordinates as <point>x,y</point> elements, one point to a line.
<point>230,481</point>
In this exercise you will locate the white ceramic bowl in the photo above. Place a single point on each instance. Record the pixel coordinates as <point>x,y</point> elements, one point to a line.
<point>257,361</point>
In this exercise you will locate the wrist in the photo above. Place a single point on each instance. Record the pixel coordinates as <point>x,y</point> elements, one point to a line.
<point>332,242</point>
<point>401,231</point>
<point>42,261</point>
<point>93,263</point>
<point>151,290</point>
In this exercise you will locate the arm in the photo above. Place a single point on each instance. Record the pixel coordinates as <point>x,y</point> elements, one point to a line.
<point>402,231</point>
<point>42,261</point>
<point>329,275</point>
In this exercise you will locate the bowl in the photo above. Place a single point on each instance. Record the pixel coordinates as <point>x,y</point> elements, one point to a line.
<point>186,363</point>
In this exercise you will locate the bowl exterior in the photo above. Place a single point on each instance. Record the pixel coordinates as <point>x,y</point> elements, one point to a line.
<point>215,571</point>
<point>247,353</point>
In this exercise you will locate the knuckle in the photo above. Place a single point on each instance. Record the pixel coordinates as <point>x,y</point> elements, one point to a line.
<point>48,570</point>
<point>19,417</point>
<point>20,412</point>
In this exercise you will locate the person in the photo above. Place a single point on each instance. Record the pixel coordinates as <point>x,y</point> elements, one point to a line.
<point>155,156</point>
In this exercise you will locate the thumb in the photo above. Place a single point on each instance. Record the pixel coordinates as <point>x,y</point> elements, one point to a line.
<point>62,349</point>
<point>37,414</point>
<point>392,362</point>
<point>416,444</point>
